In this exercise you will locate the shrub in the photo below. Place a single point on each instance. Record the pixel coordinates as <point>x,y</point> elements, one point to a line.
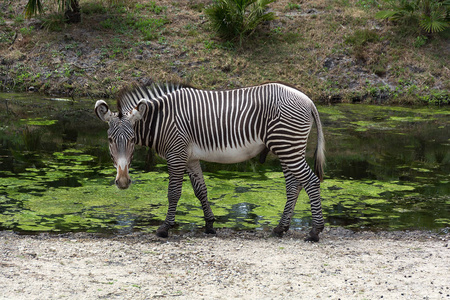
<point>431,15</point>
<point>236,19</point>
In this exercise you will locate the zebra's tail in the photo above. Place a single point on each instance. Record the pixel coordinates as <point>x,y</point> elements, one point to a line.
<point>320,149</point>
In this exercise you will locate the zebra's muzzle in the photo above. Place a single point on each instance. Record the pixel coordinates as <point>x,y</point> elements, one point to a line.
<point>123,180</point>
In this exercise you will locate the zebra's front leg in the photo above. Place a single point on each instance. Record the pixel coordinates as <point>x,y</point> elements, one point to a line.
<point>293,188</point>
<point>176,173</point>
<point>198,184</point>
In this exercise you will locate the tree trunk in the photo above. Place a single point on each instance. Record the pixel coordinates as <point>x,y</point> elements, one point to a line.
<point>73,13</point>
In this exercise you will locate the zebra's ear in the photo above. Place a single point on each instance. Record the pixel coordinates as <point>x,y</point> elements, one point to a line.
<point>139,111</point>
<point>102,111</point>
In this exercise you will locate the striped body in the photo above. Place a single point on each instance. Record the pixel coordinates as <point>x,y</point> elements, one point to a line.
<point>186,125</point>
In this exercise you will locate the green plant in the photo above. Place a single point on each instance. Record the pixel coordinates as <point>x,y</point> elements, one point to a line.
<point>236,19</point>
<point>19,20</point>
<point>26,30</point>
<point>359,40</point>
<point>156,8</point>
<point>151,28</point>
<point>430,15</point>
<point>90,8</point>
<point>192,29</point>
<point>293,6</point>
<point>362,37</point>
<point>33,7</point>
<point>67,70</point>
<point>436,97</point>
<point>6,36</point>
<point>367,3</point>
<point>435,16</point>
<point>196,6</point>
<point>420,41</point>
<point>54,22</point>
<point>71,46</point>
<point>227,45</point>
<point>379,68</point>
<point>69,8</point>
<point>107,24</point>
<point>277,30</point>
<point>152,6</point>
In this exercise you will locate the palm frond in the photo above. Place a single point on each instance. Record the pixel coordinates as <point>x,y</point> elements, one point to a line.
<point>388,14</point>
<point>33,7</point>
<point>431,25</point>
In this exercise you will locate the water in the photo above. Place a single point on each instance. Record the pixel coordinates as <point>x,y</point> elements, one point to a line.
<point>387,168</point>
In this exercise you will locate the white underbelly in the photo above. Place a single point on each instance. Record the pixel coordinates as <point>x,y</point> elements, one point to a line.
<point>227,155</point>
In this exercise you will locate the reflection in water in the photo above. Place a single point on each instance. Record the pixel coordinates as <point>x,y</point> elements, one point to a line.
<point>387,168</point>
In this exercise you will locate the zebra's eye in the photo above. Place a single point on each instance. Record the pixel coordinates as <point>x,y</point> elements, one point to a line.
<point>110,140</point>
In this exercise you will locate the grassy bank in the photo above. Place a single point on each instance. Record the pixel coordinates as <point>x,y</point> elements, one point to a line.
<point>334,51</point>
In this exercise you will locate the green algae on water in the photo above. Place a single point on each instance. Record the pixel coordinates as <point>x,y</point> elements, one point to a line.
<point>39,122</point>
<point>387,169</point>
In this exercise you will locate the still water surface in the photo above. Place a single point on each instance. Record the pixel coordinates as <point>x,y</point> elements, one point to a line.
<point>387,168</point>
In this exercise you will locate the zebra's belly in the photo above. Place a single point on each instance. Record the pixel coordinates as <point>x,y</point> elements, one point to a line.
<point>228,155</point>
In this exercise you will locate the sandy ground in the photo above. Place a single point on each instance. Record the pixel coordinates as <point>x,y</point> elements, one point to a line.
<point>241,265</point>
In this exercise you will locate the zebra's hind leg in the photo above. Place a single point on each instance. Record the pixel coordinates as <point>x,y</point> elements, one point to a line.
<point>293,188</point>
<point>198,184</point>
<point>311,184</point>
<point>313,191</point>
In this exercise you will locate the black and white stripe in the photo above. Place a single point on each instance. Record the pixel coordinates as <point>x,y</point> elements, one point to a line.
<point>186,125</point>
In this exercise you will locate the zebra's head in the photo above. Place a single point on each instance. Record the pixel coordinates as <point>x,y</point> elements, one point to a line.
<point>121,136</point>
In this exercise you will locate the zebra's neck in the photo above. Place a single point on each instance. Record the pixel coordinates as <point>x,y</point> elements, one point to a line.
<point>145,129</point>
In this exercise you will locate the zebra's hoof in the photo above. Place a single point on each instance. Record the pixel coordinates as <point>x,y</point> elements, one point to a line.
<point>278,232</point>
<point>314,238</point>
<point>162,232</point>
<point>314,234</point>
<point>209,227</point>
<point>210,230</point>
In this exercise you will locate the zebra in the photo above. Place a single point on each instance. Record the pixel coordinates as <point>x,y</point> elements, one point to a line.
<point>186,125</point>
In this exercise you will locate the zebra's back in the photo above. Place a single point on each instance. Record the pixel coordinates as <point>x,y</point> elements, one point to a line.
<point>234,125</point>
<point>226,126</point>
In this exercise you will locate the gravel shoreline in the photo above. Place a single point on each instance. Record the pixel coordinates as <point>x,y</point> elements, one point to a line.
<point>242,265</point>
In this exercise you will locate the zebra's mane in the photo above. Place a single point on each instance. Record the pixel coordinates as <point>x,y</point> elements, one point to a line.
<point>129,97</point>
